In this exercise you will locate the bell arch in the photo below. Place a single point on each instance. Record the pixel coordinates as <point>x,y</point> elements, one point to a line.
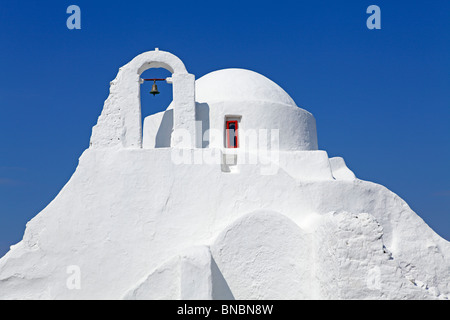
<point>120,123</point>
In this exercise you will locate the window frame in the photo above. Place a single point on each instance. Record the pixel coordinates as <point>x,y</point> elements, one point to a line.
<point>236,135</point>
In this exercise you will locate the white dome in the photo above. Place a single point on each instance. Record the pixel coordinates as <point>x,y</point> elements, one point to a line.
<point>258,103</point>
<point>239,85</point>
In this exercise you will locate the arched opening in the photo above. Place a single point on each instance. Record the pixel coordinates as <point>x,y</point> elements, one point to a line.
<point>123,112</point>
<point>151,104</point>
<point>157,124</point>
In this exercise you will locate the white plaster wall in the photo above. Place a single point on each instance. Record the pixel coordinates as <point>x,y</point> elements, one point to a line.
<point>124,212</point>
<point>306,165</point>
<point>152,125</point>
<point>264,255</point>
<point>354,262</point>
<point>158,130</point>
<point>296,127</point>
<point>187,276</point>
<point>340,169</point>
<point>262,125</point>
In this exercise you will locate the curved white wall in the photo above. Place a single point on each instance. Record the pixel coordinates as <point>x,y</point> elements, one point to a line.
<point>262,125</point>
<point>286,127</point>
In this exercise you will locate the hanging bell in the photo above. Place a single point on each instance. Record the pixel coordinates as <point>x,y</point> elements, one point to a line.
<point>154,89</point>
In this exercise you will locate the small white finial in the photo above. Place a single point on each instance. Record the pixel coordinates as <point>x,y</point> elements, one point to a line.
<point>156,49</point>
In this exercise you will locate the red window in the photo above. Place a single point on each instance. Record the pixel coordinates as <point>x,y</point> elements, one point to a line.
<point>232,134</point>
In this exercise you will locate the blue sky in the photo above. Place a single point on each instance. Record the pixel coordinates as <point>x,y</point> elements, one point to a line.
<point>381,98</point>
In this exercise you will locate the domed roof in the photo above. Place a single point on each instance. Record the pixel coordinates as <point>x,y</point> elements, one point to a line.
<point>239,84</point>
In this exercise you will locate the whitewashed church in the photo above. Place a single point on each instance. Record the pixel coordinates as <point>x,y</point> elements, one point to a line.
<point>224,195</point>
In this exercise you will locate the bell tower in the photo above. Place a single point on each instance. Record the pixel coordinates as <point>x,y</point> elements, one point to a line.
<point>120,123</point>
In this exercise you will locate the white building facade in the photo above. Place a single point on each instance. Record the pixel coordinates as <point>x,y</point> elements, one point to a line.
<point>224,195</point>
